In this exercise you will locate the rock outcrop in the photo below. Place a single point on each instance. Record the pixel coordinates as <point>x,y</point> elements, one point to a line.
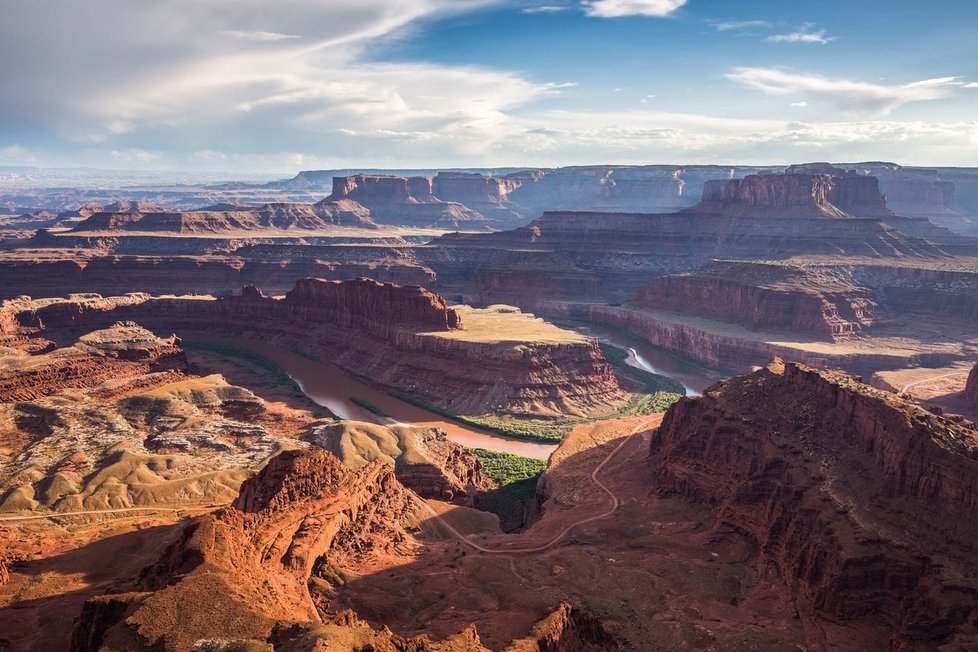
<point>817,300</point>
<point>254,560</point>
<point>123,351</point>
<point>119,420</point>
<point>424,459</point>
<point>864,503</point>
<point>401,201</point>
<point>802,191</point>
<point>285,216</point>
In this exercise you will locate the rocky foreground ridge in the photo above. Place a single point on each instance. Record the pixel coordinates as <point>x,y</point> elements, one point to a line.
<point>261,574</point>
<point>865,504</point>
<point>405,339</point>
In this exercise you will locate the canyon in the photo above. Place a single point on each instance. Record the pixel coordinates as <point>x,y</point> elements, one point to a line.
<point>786,507</point>
<point>269,403</point>
<point>403,338</point>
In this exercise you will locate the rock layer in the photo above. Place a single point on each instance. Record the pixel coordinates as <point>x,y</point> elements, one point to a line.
<point>424,459</point>
<point>767,297</point>
<point>864,503</point>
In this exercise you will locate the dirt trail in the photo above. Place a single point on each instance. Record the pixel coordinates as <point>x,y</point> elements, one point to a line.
<point>101,511</point>
<point>560,535</point>
<point>927,380</point>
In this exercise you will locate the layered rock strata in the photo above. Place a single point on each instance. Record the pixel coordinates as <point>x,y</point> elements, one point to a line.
<point>287,216</point>
<point>801,192</point>
<point>401,201</point>
<point>119,420</point>
<point>761,296</point>
<point>424,459</point>
<point>864,503</point>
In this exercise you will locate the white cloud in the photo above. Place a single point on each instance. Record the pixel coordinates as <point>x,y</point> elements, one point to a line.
<point>618,8</point>
<point>803,103</point>
<point>258,36</point>
<point>971,85</point>
<point>804,34</point>
<point>544,9</point>
<point>738,25</point>
<point>854,97</point>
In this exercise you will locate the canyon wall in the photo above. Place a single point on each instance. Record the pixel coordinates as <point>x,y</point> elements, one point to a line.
<point>285,216</point>
<point>402,201</point>
<point>863,502</point>
<point>762,296</point>
<point>741,350</point>
<point>801,192</point>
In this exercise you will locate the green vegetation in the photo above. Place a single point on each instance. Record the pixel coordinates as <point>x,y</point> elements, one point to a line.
<point>517,478</point>
<point>506,468</point>
<point>368,406</point>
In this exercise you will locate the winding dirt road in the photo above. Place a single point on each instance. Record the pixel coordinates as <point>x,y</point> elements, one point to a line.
<point>98,511</point>
<point>560,535</point>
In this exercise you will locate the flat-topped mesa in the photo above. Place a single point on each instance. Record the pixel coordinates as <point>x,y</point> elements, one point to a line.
<point>866,503</point>
<point>377,307</point>
<point>404,201</point>
<point>220,219</point>
<point>766,296</point>
<point>797,193</point>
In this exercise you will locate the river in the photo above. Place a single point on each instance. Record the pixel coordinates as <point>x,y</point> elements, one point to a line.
<point>332,388</point>
<point>641,355</point>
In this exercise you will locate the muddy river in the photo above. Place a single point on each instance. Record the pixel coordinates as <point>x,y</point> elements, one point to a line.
<point>333,389</point>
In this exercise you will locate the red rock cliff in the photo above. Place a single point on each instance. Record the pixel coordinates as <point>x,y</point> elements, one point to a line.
<point>764,296</point>
<point>866,505</point>
<point>376,307</point>
<point>794,195</point>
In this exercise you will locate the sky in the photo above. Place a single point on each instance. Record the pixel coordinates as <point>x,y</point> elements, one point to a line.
<point>283,85</point>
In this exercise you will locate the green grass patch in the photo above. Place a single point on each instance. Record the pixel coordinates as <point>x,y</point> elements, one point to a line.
<point>517,478</point>
<point>507,468</point>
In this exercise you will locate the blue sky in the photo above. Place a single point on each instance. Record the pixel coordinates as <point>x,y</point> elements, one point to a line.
<point>255,85</point>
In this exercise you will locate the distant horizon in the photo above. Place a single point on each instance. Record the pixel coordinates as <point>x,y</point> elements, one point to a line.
<point>217,176</point>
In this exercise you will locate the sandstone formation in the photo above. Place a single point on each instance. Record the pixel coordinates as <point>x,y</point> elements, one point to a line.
<point>262,573</point>
<point>802,191</point>
<point>302,514</point>
<point>122,351</point>
<point>402,338</point>
<point>424,460</point>
<point>862,502</point>
<point>284,216</point>
<point>759,296</point>
<point>118,420</point>
<point>401,201</point>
